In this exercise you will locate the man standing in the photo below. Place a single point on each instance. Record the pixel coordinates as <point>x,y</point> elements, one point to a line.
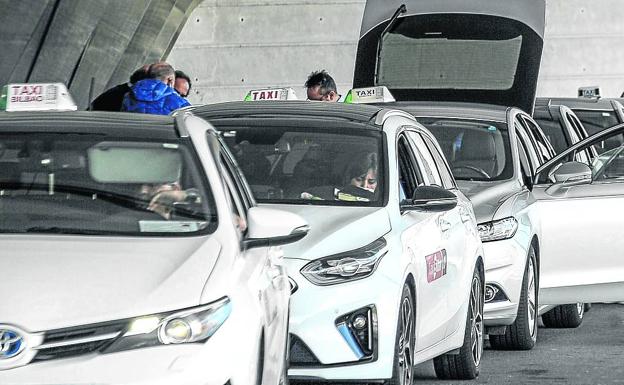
<point>155,95</point>
<point>111,99</point>
<point>321,87</point>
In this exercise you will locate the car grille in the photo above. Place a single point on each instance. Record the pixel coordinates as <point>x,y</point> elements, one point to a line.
<point>300,354</point>
<point>79,340</point>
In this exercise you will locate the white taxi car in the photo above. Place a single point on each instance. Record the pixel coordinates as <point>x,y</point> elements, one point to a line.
<point>391,273</point>
<point>136,253</point>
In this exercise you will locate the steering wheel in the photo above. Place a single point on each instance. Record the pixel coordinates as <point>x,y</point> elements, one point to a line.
<point>478,170</point>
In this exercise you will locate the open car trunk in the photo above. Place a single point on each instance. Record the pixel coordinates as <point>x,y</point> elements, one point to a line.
<point>479,51</point>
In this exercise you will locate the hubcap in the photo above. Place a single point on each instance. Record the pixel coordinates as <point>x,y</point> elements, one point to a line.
<point>406,338</point>
<point>531,296</point>
<point>476,321</point>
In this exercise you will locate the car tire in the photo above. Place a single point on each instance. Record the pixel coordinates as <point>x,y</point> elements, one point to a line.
<point>587,307</point>
<point>522,334</point>
<point>466,364</point>
<point>564,316</point>
<point>403,366</point>
<point>260,366</point>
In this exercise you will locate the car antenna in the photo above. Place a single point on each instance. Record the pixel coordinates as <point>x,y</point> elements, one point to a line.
<point>402,9</point>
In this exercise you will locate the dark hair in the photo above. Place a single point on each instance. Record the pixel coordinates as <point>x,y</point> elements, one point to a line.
<point>139,74</point>
<point>160,70</point>
<point>182,75</point>
<point>323,79</point>
<point>360,165</point>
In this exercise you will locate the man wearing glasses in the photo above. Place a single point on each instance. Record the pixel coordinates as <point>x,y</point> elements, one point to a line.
<point>321,87</point>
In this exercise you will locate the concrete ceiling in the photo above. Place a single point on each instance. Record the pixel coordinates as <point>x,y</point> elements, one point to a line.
<point>89,45</point>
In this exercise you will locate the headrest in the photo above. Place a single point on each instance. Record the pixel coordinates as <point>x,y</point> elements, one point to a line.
<point>477,145</point>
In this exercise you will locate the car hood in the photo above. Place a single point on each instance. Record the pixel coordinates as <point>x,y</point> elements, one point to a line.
<point>335,229</point>
<point>487,197</point>
<point>479,51</point>
<point>51,282</point>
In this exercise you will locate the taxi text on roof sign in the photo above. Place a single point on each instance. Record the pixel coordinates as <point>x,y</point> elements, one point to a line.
<point>379,94</point>
<point>36,97</point>
<point>589,92</point>
<point>271,94</point>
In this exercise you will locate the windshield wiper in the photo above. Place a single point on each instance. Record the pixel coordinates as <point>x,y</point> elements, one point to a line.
<point>64,230</point>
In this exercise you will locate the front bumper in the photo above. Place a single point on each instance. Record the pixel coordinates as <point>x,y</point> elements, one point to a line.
<point>231,354</point>
<point>314,311</point>
<point>505,263</point>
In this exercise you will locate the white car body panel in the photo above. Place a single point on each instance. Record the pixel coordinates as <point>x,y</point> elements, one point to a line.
<point>75,280</point>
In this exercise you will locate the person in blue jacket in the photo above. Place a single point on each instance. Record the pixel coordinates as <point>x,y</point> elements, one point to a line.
<point>155,95</point>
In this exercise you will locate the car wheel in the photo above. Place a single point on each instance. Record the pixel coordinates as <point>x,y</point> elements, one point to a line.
<point>403,368</point>
<point>522,334</point>
<point>564,316</point>
<point>466,364</point>
<point>587,307</point>
<point>260,367</point>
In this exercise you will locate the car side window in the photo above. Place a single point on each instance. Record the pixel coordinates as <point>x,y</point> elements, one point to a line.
<point>525,165</point>
<point>409,175</point>
<point>240,203</point>
<point>445,172</point>
<point>538,140</point>
<point>425,160</point>
<point>528,147</point>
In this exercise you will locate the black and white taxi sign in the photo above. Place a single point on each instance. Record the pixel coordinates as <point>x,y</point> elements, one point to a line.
<point>36,97</point>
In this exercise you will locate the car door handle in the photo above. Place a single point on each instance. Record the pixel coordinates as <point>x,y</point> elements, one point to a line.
<point>444,225</point>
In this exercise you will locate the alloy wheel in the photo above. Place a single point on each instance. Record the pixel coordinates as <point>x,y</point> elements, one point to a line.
<point>406,338</point>
<point>476,321</point>
<point>531,298</point>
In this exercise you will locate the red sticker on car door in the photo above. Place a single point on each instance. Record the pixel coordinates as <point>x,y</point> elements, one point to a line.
<point>436,265</point>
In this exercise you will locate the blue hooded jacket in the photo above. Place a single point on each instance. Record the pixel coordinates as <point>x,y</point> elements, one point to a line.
<point>151,96</point>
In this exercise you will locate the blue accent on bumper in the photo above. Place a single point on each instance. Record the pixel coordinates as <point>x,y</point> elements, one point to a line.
<point>346,334</point>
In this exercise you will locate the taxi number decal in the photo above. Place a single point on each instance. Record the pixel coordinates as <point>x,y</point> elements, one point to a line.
<point>436,265</point>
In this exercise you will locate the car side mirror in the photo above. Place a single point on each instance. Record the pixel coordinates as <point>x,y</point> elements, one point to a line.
<point>430,198</point>
<point>570,174</point>
<point>271,227</point>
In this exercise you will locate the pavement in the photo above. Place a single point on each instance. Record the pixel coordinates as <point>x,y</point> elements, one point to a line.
<point>593,354</point>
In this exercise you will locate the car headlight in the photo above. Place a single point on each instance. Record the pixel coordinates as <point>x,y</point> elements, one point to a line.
<point>347,266</point>
<point>496,230</point>
<point>190,325</point>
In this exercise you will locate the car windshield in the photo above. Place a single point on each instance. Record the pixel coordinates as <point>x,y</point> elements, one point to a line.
<point>89,184</point>
<point>475,150</point>
<point>305,165</point>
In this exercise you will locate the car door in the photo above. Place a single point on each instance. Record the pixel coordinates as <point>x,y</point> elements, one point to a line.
<point>581,218</point>
<point>454,224</point>
<point>267,270</point>
<point>424,245</point>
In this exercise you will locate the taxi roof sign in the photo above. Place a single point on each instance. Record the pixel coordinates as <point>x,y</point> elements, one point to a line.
<point>379,94</point>
<point>589,92</point>
<point>36,97</point>
<point>271,94</point>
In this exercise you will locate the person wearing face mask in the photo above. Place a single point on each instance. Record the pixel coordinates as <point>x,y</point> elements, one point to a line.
<point>155,95</point>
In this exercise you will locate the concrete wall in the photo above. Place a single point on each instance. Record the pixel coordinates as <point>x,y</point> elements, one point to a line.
<point>74,41</point>
<point>231,46</point>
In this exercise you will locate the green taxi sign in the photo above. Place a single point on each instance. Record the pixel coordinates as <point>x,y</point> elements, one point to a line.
<point>270,94</point>
<point>379,94</point>
<point>36,97</point>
